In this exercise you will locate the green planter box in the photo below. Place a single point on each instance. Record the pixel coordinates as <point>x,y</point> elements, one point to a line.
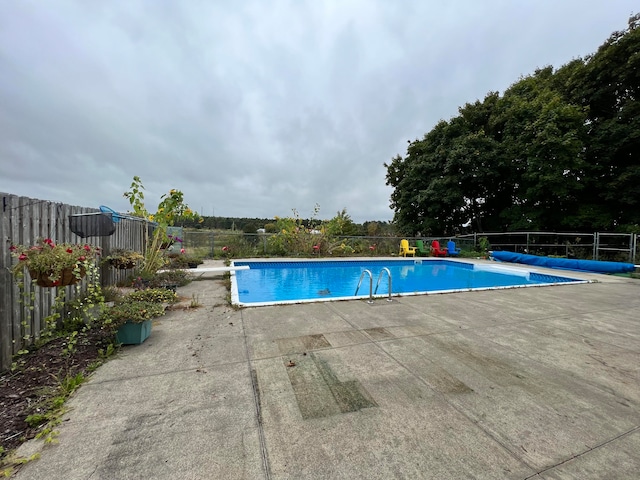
<point>133,333</point>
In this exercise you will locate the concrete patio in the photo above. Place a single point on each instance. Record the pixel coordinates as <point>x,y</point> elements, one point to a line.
<point>528,383</point>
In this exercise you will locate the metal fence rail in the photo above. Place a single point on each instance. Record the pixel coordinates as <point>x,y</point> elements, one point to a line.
<point>593,246</point>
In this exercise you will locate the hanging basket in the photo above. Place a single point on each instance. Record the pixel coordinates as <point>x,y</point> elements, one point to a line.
<point>67,277</point>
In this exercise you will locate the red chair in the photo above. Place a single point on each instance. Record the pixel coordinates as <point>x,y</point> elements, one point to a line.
<point>436,251</point>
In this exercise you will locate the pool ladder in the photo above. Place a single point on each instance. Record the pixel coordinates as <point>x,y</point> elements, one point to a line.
<point>371,291</point>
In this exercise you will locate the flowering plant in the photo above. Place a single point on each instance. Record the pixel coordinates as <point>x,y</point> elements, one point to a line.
<point>173,239</point>
<point>50,260</point>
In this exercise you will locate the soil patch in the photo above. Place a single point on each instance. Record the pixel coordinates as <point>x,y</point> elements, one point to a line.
<point>38,376</point>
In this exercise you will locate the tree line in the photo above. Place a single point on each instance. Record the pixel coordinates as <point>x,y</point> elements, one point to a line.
<point>557,151</point>
<point>341,224</point>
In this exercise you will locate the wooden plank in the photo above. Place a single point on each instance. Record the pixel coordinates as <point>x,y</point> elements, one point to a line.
<point>6,283</point>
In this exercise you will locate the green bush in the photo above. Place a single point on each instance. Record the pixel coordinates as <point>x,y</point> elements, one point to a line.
<point>132,311</point>
<point>170,277</point>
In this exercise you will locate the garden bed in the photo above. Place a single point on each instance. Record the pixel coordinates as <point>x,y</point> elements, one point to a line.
<point>42,375</point>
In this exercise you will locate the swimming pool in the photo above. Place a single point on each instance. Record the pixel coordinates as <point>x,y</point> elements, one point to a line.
<point>281,282</point>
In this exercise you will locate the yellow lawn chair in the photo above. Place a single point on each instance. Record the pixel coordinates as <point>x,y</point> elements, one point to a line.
<point>405,249</point>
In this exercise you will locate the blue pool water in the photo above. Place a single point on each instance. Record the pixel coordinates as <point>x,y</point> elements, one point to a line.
<point>292,281</point>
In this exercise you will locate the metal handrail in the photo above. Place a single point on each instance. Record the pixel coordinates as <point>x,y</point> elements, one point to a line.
<point>384,269</point>
<point>370,285</point>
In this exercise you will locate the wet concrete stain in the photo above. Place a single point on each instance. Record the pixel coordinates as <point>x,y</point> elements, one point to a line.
<point>500,371</point>
<point>442,381</point>
<point>302,344</point>
<point>378,333</point>
<point>318,391</point>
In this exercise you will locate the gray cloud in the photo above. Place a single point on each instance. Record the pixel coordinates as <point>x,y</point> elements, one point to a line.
<point>256,108</point>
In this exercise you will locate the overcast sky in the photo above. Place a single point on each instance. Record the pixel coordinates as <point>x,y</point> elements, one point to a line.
<point>255,108</point>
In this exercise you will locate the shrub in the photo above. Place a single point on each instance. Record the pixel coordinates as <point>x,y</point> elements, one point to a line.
<point>155,295</point>
<point>132,311</point>
<point>170,277</point>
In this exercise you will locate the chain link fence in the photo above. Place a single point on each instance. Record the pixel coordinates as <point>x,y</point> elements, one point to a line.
<point>211,244</point>
<point>595,246</point>
<point>620,247</point>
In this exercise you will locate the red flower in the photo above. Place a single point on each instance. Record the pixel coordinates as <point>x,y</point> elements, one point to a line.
<point>49,242</point>
<point>87,248</point>
<point>22,257</point>
<point>225,248</point>
<point>372,247</point>
<point>69,250</point>
<point>13,248</point>
<point>316,247</point>
<point>82,258</point>
<point>56,283</point>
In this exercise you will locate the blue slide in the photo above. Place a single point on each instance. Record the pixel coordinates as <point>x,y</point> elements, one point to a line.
<point>594,266</point>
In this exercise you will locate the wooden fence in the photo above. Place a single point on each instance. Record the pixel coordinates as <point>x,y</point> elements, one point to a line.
<point>23,221</point>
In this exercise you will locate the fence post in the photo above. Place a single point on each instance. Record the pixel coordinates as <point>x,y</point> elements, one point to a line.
<point>596,246</point>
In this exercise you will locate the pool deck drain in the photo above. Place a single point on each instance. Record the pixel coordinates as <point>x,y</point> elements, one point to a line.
<point>535,383</point>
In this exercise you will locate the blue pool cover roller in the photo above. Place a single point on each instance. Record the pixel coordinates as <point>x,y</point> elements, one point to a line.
<point>595,266</point>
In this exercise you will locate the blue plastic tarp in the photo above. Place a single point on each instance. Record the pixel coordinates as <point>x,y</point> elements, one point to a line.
<point>595,266</point>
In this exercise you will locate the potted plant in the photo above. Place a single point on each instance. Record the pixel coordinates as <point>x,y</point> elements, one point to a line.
<point>132,319</point>
<point>186,261</point>
<point>121,258</point>
<point>53,264</point>
<point>193,261</point>
<point>170,279</point>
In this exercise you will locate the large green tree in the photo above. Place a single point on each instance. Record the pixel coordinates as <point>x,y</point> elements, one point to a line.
<point>608,87</point>
<point>543,140</point>
<point>556,151</point>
